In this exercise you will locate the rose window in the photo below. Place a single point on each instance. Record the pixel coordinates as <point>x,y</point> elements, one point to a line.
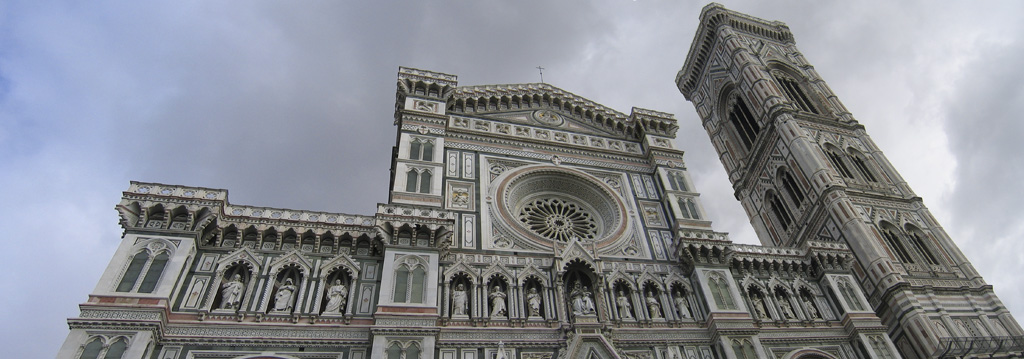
<point>542,205</point>
<point>558,219</point>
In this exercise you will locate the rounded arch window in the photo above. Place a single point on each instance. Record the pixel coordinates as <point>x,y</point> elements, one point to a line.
<point>546,204</point>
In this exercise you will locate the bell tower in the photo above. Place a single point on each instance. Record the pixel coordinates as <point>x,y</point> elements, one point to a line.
<point>807,173</point>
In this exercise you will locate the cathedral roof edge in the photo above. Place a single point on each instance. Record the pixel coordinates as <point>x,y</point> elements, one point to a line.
<point>537,88</point>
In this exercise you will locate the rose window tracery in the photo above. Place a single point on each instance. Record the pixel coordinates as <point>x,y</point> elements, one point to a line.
<point>558,219</point>
<point>537,206</point>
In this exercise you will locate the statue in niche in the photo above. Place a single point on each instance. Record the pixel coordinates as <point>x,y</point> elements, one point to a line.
<point>283,298</point>
<point>582,303</point>
<point>809,306</point>
<point>533,301</point>
<point>459,300</point>
<point>682,305</point>
<point>787,309</point>
<point>653,306</point>
<point>625,309</point>
<point>759,308</point>
<point>231,293</point>
<point>337,296</point>
<point>497,301</point>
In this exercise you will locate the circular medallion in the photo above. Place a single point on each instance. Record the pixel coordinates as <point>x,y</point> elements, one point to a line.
<point>549,118</point>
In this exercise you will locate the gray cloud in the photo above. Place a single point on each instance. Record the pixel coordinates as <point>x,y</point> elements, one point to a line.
<point>291,106</point>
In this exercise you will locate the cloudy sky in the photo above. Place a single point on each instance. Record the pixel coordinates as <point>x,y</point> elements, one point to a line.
<point>290,105</point>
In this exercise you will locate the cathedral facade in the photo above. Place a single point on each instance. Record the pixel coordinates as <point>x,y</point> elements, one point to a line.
<point>524,221</point>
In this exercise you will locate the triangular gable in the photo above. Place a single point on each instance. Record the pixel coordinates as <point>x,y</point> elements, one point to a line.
<point>532,271</point>
<point>459,267</point>
<point>498,268</point>
<point>558,107</point>
<point>575,250</point>
<point>646,276</point>
<point>241,255</point>
<point>341,261</point>
<point>292,257</point>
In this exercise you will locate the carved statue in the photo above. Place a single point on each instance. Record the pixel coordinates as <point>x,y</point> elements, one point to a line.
<point>283,298</point>
<point>653,306</point>
<point>497,301</point>
<point>582,303</point>
<point>533,301</point>
<point>501,351</point>
<point>231,293</point>
<point>337,296</point>
<point>787,309</point>
<point>809,306</point>
<point>758,306</point>
<point>682,305</point>
<point>459,300</point>
<point>625,309</point>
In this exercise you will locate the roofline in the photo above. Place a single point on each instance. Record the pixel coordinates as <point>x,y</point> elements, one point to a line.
<point>712,18</point>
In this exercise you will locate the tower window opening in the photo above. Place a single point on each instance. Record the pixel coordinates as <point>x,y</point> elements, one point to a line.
<point>744,122</point>
<point>893,240</point>
<point>838,162</point>
<point>861,166</point>
<point>796,94</point>
<point>791,187</point>
<point>917,239</point>
<point>779,210</point>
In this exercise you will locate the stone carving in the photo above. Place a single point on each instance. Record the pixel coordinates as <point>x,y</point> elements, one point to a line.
<point>283,299</point>
<point>582,303</point>
<point>231,293</point>
<point>497,302</point>
<point>653,306</point>
<point>460,197</point>
<point>809,306</point>
<point>337,297</point>
<point>787,309</point>
<point>682,306</point>
<point>533,302</point>
<point>625,309</point>
<point>459,301</point>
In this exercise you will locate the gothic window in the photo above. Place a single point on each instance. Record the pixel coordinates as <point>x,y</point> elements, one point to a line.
<point>917,238</point>
<point>792,189</point>
<point>688,209</point>
<point>861,166</point>
<point>418,181</point>
<point>410,278</point>
<point>92,350</point>
<point>96,349</point>
<point>156,268</point>
<point>837,160</point>
<point>141,263</point>
<point>744,122</point>
<point>779,209</point>
<point>116,350</point>
<point>850,295</point>
<point>880,347</point>
<point>396,350</point>
<point>132,273</point>
<point>421,149</point>
<point>795,93</point>
<point>677,181</point>
<point>720,292</point>
<point>893,241</point>
<point>743,349</point>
